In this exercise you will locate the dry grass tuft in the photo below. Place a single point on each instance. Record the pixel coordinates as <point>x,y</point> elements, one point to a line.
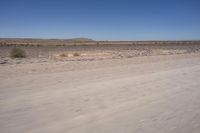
<point>64,55</point>
<point>17,53</point>
<point>76,54</point>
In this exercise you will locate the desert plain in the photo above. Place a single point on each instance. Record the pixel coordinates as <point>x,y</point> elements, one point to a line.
<point>108,87</point>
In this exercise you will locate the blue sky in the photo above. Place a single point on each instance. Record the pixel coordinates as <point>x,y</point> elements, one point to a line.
<point>101,19</point>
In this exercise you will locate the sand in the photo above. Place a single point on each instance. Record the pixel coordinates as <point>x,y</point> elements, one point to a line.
<point>149,94</point>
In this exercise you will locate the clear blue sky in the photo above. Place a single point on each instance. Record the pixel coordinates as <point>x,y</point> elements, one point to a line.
<point>101,19</point>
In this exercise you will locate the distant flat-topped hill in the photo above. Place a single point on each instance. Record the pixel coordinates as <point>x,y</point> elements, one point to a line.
<point>81,39</point>
<point>38,39</point>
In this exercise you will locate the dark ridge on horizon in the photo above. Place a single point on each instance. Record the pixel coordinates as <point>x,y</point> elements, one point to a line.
<point>70,39</point>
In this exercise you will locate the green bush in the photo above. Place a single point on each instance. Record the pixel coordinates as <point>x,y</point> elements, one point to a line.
<point>17,53</point>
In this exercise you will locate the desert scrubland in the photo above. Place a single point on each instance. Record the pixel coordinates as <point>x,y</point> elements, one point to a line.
<point>108,87</point>
<point>45,50</point>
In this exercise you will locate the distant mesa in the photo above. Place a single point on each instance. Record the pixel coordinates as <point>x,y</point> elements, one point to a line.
<point>40,39</point>
<point>80,40</point>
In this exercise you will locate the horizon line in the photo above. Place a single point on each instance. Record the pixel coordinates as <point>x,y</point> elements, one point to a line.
<point>98,40</point>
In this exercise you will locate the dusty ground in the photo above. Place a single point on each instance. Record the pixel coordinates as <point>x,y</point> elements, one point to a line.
<point>150,94</point>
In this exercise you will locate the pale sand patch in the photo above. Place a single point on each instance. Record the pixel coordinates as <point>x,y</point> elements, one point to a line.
<point>145,95</point>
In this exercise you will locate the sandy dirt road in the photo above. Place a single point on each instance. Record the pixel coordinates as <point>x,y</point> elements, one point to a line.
<point>158,94</point>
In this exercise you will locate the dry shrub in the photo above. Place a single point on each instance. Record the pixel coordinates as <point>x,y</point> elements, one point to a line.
<point>76,54</point>
<point>64,55</point>
<point>17,53</point>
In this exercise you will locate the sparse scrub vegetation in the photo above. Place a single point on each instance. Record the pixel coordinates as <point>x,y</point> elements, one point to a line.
<point>76,54</point>
<point>64,55</point>
<point>17,53</point>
